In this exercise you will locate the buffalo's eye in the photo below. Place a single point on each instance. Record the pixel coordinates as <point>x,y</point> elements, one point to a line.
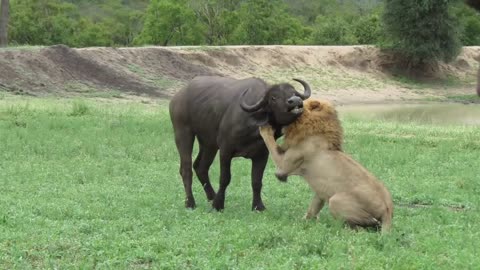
<point>273,99</point>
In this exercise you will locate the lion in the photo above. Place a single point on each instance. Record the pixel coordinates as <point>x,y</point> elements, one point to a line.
<point>313,149</point>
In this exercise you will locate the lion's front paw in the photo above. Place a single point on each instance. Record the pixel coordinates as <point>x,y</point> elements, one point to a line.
<point>266,131</point>
<point>309,216</point>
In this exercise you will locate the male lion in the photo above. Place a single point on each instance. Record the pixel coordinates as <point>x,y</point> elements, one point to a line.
<point>313,149</point>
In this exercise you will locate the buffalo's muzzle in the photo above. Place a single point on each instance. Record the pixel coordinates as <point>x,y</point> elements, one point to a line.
<point>295,105</point>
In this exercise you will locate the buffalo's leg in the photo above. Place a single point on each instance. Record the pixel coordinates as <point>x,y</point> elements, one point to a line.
<point>201,166</point>
<point>184,140</point>
<point>225,176</point>
<point>258,167</point>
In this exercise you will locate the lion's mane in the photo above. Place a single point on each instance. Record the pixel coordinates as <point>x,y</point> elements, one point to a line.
<point>319,118</point>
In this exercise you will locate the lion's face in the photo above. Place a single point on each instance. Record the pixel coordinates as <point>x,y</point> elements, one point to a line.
<point>319,118</point>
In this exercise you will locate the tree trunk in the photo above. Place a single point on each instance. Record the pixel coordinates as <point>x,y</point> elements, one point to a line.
<point>474,4</point>
<point>4,16</point>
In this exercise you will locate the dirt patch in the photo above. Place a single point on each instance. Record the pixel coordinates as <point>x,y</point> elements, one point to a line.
<point>75,67</point>
<point>150,72</point>
<point>344,74</point>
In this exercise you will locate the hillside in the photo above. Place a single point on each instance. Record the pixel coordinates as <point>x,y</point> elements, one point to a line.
<point>345,74</point>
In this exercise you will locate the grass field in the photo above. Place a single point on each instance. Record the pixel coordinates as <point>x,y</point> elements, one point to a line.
<point>87,184</point>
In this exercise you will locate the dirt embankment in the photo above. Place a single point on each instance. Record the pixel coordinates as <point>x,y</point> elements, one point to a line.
<point>345,74</point>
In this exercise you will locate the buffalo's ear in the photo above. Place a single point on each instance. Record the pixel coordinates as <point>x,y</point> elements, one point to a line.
<point>260,118</point>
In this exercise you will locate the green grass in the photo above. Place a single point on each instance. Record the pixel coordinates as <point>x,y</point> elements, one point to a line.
<point>87,91</point>
<point>448,82</point>
<point>325,78</point>
<point>95,184</point>
<point>464,98</point>
<point>22,48</point>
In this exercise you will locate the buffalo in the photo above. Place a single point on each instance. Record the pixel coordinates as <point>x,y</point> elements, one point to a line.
<point>224,114</point>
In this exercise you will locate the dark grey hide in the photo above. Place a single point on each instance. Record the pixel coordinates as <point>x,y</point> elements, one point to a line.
<point>224,114</point>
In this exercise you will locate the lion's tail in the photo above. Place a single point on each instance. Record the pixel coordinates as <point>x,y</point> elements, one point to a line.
<point>387,217</point>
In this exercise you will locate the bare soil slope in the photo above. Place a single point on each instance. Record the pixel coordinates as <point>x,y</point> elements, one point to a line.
<point>345,74</point>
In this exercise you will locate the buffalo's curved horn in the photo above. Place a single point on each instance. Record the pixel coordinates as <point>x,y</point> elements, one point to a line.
<point>253,107</point>
<point>307,91</point>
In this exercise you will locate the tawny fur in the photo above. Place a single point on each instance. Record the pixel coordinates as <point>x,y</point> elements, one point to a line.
<point>313,149</point>
<point>318,118</point>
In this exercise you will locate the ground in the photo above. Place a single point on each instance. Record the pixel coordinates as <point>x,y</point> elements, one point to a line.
<point>94,184</point>
<point>89,169</point>
<point>343,74</point>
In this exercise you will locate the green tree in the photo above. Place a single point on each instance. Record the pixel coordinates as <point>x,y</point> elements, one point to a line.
<point>368,29</point>
<point>4,17</point>
<point>170,23</point>
<point>333,31</point>
<point>267,22</point>
<point>91,34</point>
<point>219,19</point>
<point>469,24</point>
<point>121,22</point>
<point>421,32</point>
<point>43,22</point>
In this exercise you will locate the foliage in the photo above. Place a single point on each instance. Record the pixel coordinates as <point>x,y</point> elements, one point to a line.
<point>80,23</point>
<point>42,22</point>
<point>267,22</point>
<point>220,19</point>
<point>369,29</point>
<point>170,23</point>
<point>333,31</point>
<point>406,24</point>
<point>469,24</point>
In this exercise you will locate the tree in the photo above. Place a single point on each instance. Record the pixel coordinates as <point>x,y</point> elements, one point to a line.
<point>170,23</point>
<point>219,18</point>
<point>43,22</point>
<point>474,4</point>
<point>421,32</point>
<point>4,16</point>
<point>469,24</point>
<point>267,22</point>
<point>333,31</point>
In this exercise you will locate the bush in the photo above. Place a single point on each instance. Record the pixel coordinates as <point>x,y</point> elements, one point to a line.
<point>421,32</point>
<point>368,29</point>
<point>469,24</point>
<point>333,31</point>
<point>170,23</point>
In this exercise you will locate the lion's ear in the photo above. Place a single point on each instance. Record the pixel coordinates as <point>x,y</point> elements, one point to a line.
<point>315,106</point>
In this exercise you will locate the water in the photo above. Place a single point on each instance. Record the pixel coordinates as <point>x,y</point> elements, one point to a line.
<point>445,113</point>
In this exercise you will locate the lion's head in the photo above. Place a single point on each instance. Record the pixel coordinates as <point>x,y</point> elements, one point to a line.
<point>318,118</point>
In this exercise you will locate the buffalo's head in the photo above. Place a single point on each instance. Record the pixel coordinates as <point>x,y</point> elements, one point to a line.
<point>281,104</point>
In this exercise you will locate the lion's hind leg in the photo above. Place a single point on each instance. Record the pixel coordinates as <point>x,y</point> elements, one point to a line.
<point>347,207</point>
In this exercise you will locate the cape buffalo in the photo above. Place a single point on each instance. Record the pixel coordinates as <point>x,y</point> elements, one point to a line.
<point>224,114</point>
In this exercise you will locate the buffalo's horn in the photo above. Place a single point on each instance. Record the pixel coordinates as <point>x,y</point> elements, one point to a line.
<point>307,91</point>
<point>251,108</point>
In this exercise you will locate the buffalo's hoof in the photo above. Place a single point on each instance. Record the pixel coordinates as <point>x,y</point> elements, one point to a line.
<point>282,177</point>
<point>218,205</point>
<point>190,204</point>
<point>259,207</point>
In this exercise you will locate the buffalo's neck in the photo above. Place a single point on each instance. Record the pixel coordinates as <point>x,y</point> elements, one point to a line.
<point>278,130</point>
